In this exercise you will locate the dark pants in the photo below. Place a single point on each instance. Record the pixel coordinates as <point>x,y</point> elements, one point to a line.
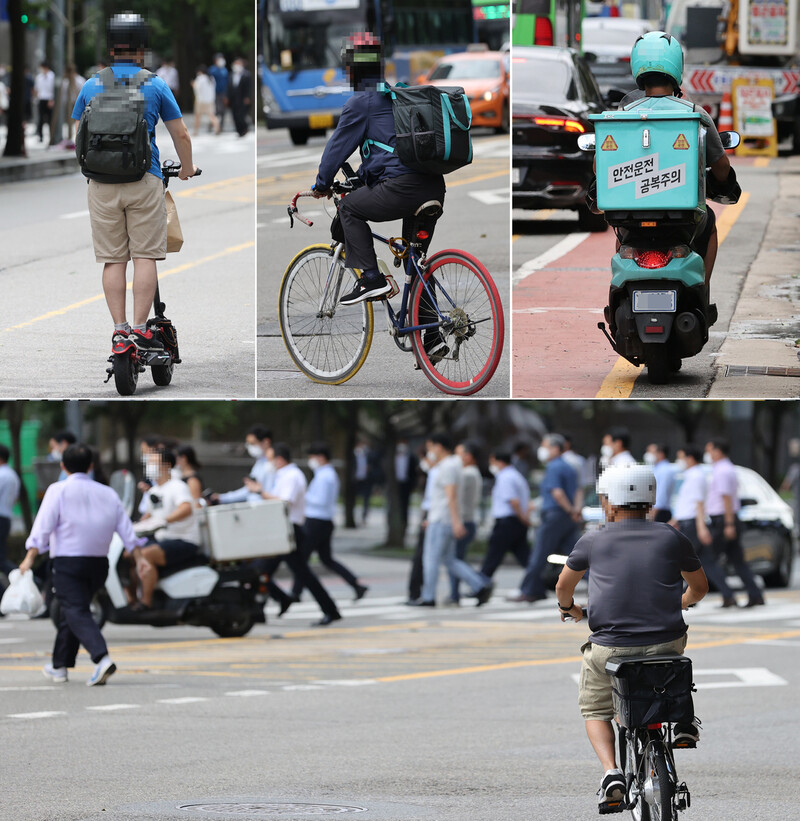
<point>303,574</point>
<point>75,581</point>
<point>509,535</point>
<point>416,576</point>
<point>239,111</point>
<point>396,198</point>
<point>557,533</point>
<point>364,492</point>
<point>317,538</point>
<point>5,528</point>
<point>462,546</point>
<point>404,491</point>
<point>729,551</point>
<point>44,117</point>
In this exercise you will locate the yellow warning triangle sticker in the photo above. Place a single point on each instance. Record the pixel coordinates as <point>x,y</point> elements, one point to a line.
<point>609,144</point>
<point>680,143</point>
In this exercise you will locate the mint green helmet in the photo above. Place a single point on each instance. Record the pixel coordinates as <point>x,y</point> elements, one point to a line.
<point>657,52</point>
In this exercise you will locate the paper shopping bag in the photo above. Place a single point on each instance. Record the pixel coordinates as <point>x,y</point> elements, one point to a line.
<point>174,233</point>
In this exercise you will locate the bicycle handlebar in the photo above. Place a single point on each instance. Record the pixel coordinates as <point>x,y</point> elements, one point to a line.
<point>173,169</point>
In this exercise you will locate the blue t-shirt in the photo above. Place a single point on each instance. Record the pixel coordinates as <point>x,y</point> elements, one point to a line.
<point>158,97</point>
<point>558,474</point>
<point>220,75</point>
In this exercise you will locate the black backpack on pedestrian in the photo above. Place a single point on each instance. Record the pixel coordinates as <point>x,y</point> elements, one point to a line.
<point>432,125</point>
<point>113,141</point>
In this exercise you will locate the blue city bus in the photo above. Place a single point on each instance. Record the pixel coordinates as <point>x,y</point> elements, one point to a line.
<point>303,85</point>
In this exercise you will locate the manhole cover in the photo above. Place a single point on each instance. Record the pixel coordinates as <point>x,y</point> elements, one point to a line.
<point>275,808</point>
<point>752,370</point>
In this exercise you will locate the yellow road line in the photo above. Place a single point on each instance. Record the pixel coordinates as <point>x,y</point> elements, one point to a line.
<point>479,178</point>
<point>761,162</point>
<point>621,379</point>
<point>179,269</point>
<point>212,186</point>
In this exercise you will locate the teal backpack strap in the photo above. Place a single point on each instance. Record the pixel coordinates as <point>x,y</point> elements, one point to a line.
<point>366,151</point>
<point>449,115</point>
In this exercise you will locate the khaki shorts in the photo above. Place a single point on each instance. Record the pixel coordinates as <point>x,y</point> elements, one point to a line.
<point>594,687</point>
<point>204,109</point>
<point>129,220</point>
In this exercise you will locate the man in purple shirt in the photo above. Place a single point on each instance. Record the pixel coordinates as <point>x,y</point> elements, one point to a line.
<point>722,507</point>
<point>76,523</point>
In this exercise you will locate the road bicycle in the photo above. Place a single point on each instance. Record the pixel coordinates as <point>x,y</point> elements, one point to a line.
<point>127,361</point>
<point>650,694</point>
<point>450,314</point>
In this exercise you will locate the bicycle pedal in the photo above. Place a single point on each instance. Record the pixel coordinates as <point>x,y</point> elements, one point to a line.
<point>684,745</point>
<point>609,807</point>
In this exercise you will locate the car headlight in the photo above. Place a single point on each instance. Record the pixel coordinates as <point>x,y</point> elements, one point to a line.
<point>489,95</point>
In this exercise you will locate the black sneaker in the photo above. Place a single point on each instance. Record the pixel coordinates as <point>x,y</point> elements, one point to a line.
<point>367,289</point>
<point>685,736</point>
<point>146,340</point>
<point>435,348</point>
<point>612,792</point>
<point>484,594</point>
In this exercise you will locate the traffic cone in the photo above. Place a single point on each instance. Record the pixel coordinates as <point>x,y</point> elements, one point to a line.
<point>726,117</point>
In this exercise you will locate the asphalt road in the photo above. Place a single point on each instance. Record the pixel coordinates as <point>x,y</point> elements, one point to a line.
<point>55,334</point>
<point>476,219</point>
<point>391,714</point>
<point>561,284</point>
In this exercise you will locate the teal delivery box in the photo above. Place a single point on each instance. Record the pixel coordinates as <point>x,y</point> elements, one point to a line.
<point>650,159</point>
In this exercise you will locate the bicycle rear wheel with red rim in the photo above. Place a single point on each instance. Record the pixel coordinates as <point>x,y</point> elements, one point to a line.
<point>474,329</point>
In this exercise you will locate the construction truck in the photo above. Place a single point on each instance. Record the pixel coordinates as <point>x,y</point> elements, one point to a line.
<point>730,40</point>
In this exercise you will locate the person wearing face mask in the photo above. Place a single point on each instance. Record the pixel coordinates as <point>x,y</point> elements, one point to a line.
<point>239,95</point>
<point>616,449</point>
<point>558,531</point>
<point>321,497</point>
<point>428,466</point>
<point>219,73</point>
<point>657,457</point>
<point>258,444</point>
<point>690,508</point>
<point>58,443</point>
<point>510,500</point>
<point>169,509</point>
<point>722,506</point>
<point>471,489</point>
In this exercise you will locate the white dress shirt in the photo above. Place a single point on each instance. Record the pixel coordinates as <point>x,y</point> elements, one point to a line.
<point>692,491</point>
<point>78,517</point>
<point>509,484</point>
<point>264,473</point>
<point>723,483</point>
<point>9,490</point>
<point>322,493</point>
<point>290,485</point>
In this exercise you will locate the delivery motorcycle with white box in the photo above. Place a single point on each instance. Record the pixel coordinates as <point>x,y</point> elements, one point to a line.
<point>652,186</point>
<point>219,588</point>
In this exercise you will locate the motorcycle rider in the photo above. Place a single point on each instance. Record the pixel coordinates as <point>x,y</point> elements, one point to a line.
<point>657,67</point>
<point>391,190</point>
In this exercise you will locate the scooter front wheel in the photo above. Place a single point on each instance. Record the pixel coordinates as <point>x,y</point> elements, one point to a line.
<point>162,374</point>
<point>126,372</point>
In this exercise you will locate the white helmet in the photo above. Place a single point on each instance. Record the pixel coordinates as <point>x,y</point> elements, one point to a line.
<point>627,485</point>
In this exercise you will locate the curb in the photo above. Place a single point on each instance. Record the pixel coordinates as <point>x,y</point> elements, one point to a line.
<point>17,169</point>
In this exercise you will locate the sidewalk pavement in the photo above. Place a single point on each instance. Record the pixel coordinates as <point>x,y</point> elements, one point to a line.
<point>765,328</point>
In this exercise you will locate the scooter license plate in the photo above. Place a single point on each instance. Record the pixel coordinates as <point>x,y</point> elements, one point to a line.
<point>648,301</point>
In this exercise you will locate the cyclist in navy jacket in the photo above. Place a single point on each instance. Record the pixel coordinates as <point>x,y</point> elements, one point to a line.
<point>391,190</point>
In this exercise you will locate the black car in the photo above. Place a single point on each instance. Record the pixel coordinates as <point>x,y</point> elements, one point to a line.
<point>553,94</point>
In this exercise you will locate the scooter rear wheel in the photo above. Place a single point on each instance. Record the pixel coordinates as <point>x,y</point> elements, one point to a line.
<point>658,363</point>
<point>162,374</point>
<point>235,625</point>
<point>126,372</point>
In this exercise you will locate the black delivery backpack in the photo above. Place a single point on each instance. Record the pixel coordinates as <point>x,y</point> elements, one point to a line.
<point>432,125</point>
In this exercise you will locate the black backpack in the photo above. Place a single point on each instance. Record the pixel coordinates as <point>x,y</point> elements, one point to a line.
<point>113,142</point>
<point>432,127</point>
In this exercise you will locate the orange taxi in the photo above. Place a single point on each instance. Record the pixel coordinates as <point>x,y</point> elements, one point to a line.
<point>484,77</point>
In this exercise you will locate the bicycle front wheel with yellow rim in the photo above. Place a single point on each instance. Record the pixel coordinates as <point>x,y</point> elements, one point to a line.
<point>328,342</point>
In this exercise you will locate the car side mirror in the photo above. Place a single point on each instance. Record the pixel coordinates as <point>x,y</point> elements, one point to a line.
<point>729,139</point>
<point>586,142</point>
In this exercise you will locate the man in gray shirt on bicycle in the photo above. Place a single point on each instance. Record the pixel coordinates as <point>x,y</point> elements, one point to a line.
<point>638,569</point>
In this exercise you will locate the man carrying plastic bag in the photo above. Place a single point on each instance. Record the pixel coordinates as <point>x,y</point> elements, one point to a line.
<point>22,596</point>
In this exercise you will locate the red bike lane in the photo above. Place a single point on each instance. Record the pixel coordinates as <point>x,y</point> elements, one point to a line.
<point>558,350</point>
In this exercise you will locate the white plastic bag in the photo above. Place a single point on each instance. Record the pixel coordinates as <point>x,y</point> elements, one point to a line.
<point>22,595</point>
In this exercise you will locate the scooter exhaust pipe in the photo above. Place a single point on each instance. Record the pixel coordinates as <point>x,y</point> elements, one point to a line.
<point>689,334</point>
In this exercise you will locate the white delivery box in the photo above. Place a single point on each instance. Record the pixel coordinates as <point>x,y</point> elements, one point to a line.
<point>248,531</point>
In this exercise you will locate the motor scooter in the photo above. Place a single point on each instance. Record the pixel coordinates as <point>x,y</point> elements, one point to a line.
<point>220,588</point>
<point>652,187</point>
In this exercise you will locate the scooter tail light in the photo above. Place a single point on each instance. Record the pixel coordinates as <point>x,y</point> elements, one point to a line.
<point>681,251</point>
<point>653,259</point>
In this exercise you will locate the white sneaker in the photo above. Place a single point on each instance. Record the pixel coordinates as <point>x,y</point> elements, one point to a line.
<point>57,674</point>
<point>102,671</point>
